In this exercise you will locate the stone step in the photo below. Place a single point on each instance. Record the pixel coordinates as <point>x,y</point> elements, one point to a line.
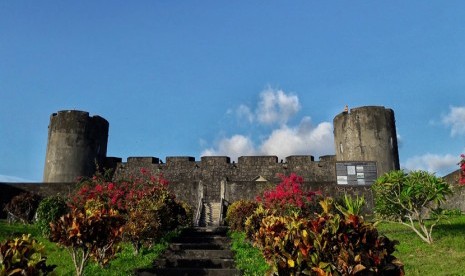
<point>220,231</point>
<point>198,251</point>
<point>195,263</point>
<point>202,254</point>
<point>172,271</point>
<point>197,245</point>
<point>197,239</point>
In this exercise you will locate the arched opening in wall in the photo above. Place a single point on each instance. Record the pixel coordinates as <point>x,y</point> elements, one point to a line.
<point>392,143</point>
<point>341,148</point>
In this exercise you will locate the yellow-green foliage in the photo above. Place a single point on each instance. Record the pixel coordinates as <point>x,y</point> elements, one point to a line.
<point>254,221</point>
<point>23,256</point>
<point>238,212</point>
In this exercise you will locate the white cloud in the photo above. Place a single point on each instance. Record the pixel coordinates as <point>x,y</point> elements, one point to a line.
<point>233,147</point>
<point>435,163</point>
<point>282,142</point>
<point>276,106</point>
<point>300,140</point>
<point>456,120</point>
<point>244,111</point>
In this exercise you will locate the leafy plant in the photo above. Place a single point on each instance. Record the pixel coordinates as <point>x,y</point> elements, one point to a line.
<point>23,256</point>
<point>149,209</point>
<point>50,209</point>
<point>350,205</point>
<point>22,207</point>
<point>408,198</point>
<point>254,221</point>
<point>88,236</point>
<point>329,244</point>
<point>238,212</point>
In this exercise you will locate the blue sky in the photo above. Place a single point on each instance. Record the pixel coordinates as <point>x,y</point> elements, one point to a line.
<point>192,78</point>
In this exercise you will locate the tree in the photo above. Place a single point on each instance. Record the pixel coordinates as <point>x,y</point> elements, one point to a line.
<point>409,198</point>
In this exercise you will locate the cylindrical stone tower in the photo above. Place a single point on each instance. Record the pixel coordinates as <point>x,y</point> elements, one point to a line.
<point>367,134</point>
<point>76,143</point>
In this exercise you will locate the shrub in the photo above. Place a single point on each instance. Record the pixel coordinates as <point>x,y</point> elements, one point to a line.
<point>150,210</point>
<point>238,212</point>
<point>329,244</point>
<point>184,214</point>
<point>462,169</point>
<point>88,236</point>
<point>23,256</point>
<point>151,218</point>
<point>408,198</point>
<point>22,207</point>
<point>254,221</point>
<point>50,209</point>
<point>288,197</point>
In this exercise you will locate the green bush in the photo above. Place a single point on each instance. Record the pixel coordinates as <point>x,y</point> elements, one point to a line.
<point>22,207</point>
<point>238,212</point>
<point>23,256</point>
<point>50,210</point>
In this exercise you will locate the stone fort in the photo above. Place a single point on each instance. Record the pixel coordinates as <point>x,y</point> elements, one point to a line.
<point>365,143</point>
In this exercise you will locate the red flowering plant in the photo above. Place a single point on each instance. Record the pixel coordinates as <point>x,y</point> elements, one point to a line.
<point>462,170</point>
<point>147,206</point>
<point>288,197</point>
<point>100,193</point>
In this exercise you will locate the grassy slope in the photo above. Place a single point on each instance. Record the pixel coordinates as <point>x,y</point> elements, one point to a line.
<point>446,256</point>
<point>124,264</point>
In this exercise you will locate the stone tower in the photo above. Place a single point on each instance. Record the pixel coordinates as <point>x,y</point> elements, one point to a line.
<point>75,143</point>
<point>367,133</point>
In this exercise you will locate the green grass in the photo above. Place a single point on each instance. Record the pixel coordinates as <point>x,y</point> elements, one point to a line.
<point>446,256</point>
<point>124,264</point>
<point>248,258</point>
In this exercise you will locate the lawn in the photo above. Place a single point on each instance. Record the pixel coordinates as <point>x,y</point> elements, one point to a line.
<point>124,264</point>
<point>446,256</point>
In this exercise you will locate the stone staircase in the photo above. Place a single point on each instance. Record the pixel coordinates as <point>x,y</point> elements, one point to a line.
<point>197,251</point>
<point>210,214</point>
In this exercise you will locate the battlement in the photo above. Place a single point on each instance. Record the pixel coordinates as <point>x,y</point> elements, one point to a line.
<point>143,160</point>
<point>226,160</point>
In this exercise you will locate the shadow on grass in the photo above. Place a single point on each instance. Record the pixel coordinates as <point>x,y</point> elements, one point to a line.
<point>450,228</point>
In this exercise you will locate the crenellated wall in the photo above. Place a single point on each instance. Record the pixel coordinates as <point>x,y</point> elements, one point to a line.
<point>215,177</point>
